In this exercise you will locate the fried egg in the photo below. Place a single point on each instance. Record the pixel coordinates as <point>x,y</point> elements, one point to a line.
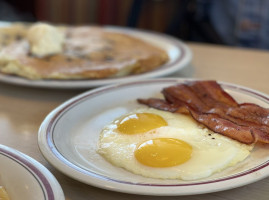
<point>159,144</point>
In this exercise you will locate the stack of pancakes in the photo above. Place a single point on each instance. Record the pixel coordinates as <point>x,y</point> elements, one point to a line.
<point>88,53</point>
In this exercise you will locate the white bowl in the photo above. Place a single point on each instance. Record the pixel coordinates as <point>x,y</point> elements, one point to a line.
<point>26,179</point>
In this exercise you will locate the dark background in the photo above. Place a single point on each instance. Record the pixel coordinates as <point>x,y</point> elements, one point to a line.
<point>173,17</point>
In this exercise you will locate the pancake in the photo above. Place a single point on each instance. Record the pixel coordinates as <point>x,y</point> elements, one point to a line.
<point>88,53</point>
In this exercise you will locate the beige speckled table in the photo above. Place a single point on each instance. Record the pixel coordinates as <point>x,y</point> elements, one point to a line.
<point>22,110</point>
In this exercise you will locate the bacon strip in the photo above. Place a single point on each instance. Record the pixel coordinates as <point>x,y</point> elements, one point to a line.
<point>211,106</point>
<point>250,112</point>
<point>211,91</point>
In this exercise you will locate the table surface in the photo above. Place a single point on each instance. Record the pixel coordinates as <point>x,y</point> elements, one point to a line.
<point>22,110</point>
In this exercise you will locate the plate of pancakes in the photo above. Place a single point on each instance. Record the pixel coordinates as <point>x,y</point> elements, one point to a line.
<point>44,55</point>
<point>151,142</point>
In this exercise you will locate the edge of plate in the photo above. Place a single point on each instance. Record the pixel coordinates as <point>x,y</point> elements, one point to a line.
<point>50,186</point>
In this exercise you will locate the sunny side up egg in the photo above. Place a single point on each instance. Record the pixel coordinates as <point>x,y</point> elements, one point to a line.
<point>159,144</point>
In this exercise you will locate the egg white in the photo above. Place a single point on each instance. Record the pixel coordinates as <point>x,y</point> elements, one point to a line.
<point>212,152</point>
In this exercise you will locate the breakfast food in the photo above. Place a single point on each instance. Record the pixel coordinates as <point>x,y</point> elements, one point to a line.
<point>3,194</point>
<point>196,130</point>
<point>165,145</point>
<point>45,40</point>
<point>43,51</point>
<point>211,106</point>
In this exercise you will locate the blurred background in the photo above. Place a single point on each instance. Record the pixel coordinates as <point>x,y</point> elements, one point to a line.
<point>231,22</point>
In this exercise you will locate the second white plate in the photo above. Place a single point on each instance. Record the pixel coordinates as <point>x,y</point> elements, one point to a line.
<point>179,54</point>
<point>68,138</point>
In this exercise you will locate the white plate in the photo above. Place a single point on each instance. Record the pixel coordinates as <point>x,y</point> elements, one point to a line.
<point>69,135</point>
<point>26,179</point>
<point>179,53</point>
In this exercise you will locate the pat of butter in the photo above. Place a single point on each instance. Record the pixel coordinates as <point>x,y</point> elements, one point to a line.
<point>45,40</point>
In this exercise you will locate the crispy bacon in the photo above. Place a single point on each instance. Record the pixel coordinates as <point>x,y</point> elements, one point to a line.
<point>211,106</point>
<point>211,92</point>
<point>161,104</point>
<point>250,112</point>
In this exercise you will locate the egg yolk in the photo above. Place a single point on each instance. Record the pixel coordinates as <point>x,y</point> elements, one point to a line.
<point>163,152</point>
<point>140,123</point>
